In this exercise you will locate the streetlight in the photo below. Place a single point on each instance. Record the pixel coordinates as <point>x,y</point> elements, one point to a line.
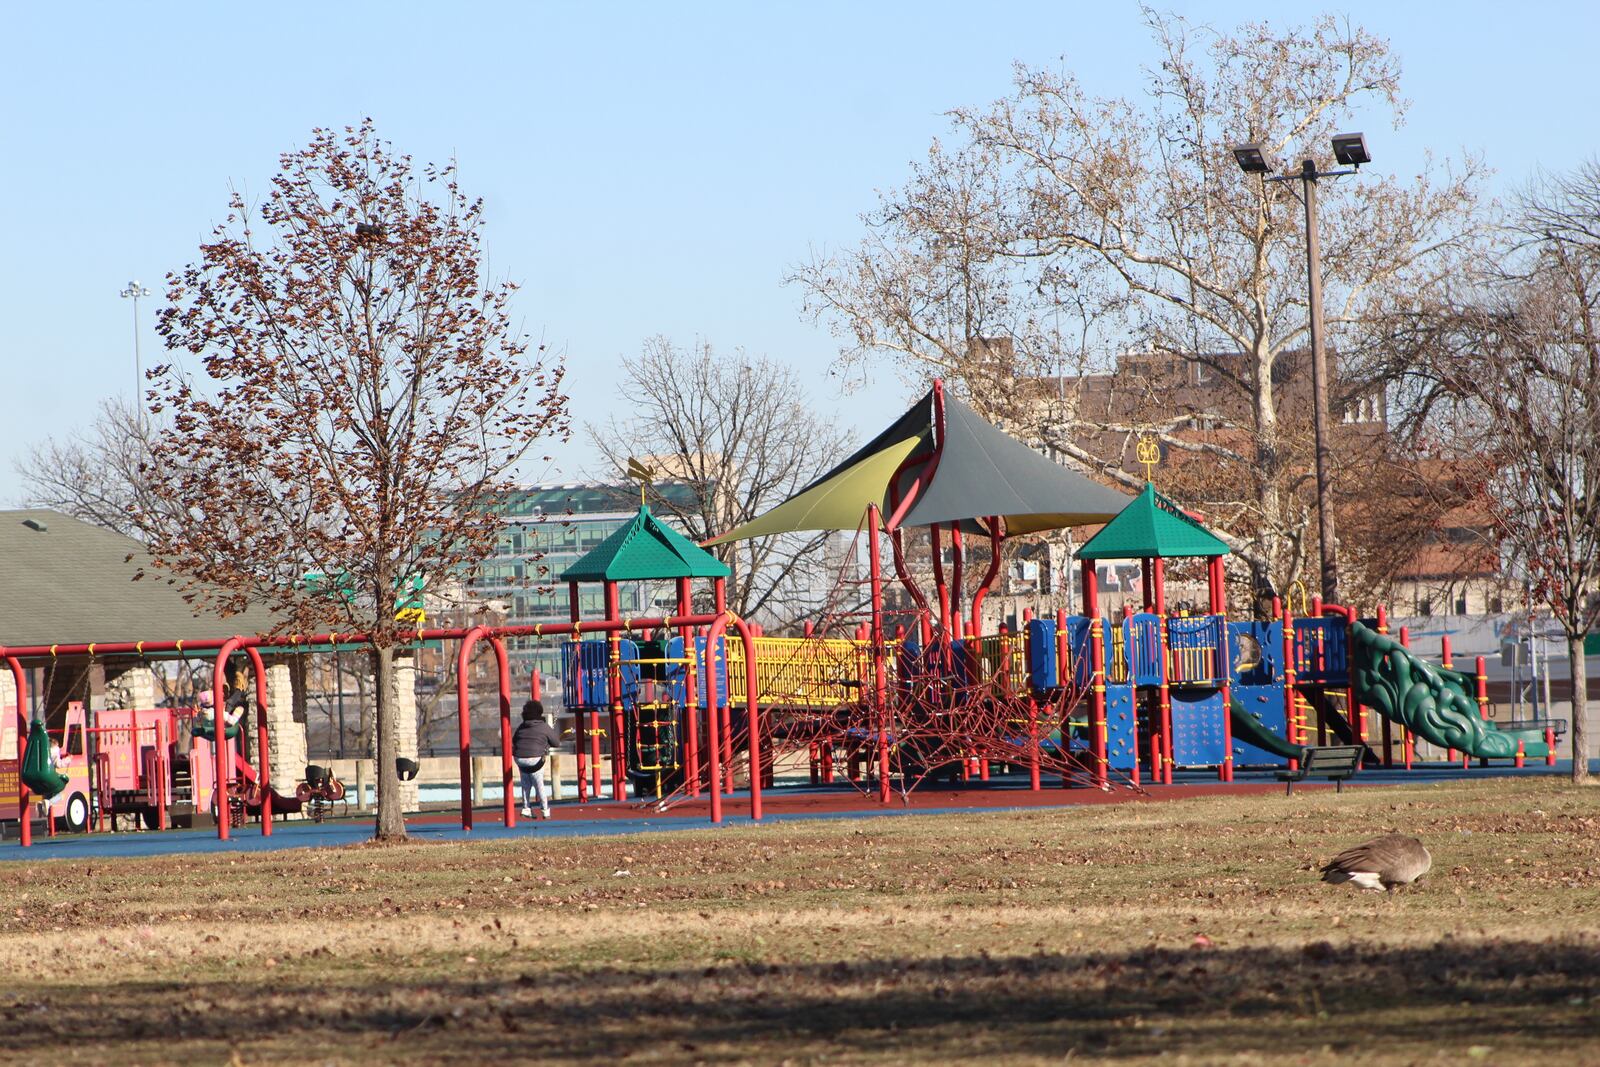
<point>133,292</point>
<point>1349,149</point>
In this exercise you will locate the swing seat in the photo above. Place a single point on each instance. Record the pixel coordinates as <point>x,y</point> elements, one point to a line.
<point>204,729</point>
<point>37,774</point>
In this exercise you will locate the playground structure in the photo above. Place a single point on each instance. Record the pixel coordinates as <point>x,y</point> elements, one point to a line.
<point>877,699</point>
<point>1091,700</point>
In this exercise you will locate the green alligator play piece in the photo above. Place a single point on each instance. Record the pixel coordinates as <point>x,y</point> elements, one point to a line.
<point>1434,703</point>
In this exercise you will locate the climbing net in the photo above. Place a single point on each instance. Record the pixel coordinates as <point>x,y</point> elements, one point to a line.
<point>949,711</point>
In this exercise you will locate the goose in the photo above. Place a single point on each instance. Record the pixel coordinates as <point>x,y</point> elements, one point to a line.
<point>1382,863</point>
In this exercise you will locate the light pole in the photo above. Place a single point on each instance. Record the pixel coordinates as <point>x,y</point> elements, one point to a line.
<point>133,292</point>
<point>1349,149</point>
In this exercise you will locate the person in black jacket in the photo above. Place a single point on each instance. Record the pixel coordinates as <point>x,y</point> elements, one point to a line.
<point>529,745</point>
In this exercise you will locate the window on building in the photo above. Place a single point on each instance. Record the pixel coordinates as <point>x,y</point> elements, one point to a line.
<point>1424,606</point>
<point>1461,604</point>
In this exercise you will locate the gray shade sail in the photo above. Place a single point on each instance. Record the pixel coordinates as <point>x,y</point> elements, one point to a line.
<point>983,471</point>
<point>978,472</point>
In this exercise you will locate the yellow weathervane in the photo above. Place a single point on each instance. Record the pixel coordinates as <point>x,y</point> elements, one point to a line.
<point>641,473</point>
<point>1148,452</point>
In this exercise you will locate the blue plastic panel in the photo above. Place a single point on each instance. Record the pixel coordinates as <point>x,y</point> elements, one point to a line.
<point>1262,641</point>
<point>1264,703</point>
<point>720,659</point>
<point>1078,649</point>
<point>1122,728</point>
<point>1197,738</point>
<point>1043,663</point>
<point>1321,652</point>
<point>1197,651</point>
<point>586,674</point>
<point>1143,635</point>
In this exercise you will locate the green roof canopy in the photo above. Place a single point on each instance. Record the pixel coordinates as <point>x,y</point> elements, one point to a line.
<point>1152,527</point>
<point>646,548</point>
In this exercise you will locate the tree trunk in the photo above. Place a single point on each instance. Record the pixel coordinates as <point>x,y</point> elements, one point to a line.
<point>1268,537</point>
<point>391,813</point>
<point>1580,709</point>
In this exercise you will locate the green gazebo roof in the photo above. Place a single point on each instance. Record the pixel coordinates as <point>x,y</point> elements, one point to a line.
<point>646,548</point>
<point>1152,527</point>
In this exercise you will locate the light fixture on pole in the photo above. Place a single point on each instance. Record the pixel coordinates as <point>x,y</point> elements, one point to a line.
<point>1350,149</point>
<point>133,292</point>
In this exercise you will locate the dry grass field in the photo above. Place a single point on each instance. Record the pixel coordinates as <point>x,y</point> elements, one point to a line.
<point>1195,931</point>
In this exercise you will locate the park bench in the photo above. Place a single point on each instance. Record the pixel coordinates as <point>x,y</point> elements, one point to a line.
<point>1334,762</point>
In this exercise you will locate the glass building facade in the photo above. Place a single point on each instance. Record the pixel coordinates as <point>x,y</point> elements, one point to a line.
<point>546,529</point>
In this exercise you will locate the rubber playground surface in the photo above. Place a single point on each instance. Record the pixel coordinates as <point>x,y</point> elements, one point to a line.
<point>784,804</point>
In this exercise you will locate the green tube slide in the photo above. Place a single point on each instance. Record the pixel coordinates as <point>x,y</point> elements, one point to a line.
<point>1247,728</point>
<point>1436,704</point>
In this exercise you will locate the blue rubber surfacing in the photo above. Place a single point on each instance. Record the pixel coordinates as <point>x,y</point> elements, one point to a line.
<point>346,832</point>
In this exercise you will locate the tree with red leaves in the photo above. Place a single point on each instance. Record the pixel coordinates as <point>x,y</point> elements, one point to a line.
<point>362,400</point>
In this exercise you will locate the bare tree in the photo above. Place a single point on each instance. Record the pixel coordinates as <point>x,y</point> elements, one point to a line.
<point>363,401</point>
<point>1515,366</point>
<point>96,474</point>
<point>742,433</point>
<point>1132,221</point>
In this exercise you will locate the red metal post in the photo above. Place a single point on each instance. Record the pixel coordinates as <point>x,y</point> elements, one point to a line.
<point>507,792</point>
<point>1226,770</point>
<point>713,744</point>
<point>1385,725</point>
<point>19,679</point>
<point>222,754</point>
<point>1291,703</point>
<point>996,540</point>
<point>752,709</point>
<point>1449,664</point>
<point>1161,767</point>
<point>619,779</point>
<point>880,685</point>
<point>1033,703</point>
<point>1549,746</point>
<point>1482,687</point>
<point>1091,608</point>
<point>691,701</point>
<point>163,774</point>
<point>958,551</point>
<point>580,717</point>
<point>595,733</point>
<point>1097,726</point>
<point>263,758</point>
<point>726,714</point>
<point>464,719</point>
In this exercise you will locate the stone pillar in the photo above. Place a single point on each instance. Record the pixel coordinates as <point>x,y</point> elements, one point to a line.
<point>286,722</point>
<point>404,704</point>
<point>129,685</point>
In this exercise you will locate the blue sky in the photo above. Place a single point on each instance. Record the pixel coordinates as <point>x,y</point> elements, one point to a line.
<point>648,168</point>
